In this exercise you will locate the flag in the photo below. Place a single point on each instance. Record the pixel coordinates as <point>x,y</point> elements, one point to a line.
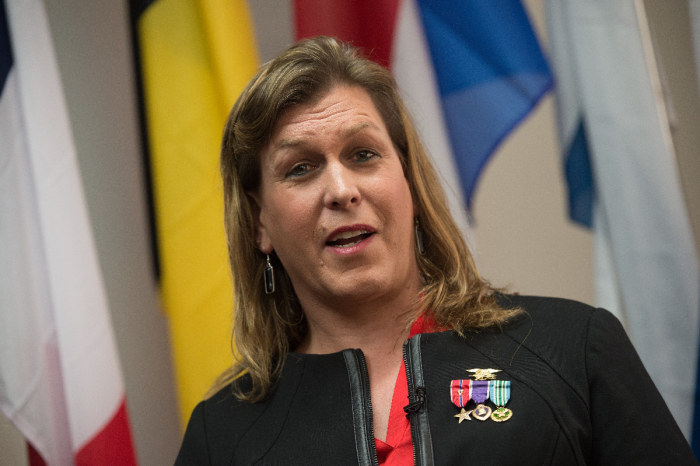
<point>611,112</point>
<point>470,71</point>
<point>196,57</point>
<point>60,379</point>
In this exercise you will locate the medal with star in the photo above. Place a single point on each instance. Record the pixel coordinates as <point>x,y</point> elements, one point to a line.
<point>461,393</point>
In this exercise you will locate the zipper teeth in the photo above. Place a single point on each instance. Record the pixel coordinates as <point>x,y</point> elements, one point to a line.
<point>411,397</point>
<point>368,406</point>
<point>409,372</point>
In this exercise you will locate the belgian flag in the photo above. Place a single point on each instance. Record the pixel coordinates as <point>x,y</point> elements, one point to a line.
<point>195,57</point>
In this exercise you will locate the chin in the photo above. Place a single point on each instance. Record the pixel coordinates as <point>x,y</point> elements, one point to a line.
<point>362,290</point>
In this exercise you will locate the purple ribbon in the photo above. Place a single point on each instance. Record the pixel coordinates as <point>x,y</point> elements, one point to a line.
<point>480,391</point>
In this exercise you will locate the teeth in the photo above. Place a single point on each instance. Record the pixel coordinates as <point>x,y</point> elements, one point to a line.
<point>347,245</point>
<point>348,234</point>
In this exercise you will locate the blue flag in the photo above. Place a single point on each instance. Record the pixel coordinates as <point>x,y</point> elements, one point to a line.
<point>490,73</point>
<point>5,48</point>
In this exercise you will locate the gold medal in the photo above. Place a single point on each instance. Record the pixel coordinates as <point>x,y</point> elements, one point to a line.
<point>481,412</point>
<point>501,414</point>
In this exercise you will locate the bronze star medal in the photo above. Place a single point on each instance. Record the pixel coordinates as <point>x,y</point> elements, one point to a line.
<point>463,415</point>
<point>461,393</point>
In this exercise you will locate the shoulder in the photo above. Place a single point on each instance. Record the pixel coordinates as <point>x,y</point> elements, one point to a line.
<point>555,330</point>
<point>574,373</point>
<point>542,352</point>
<point>561,331</point>
<point>217,423</point>
<point>229,416</point>
<point>547,310</point>
<point>549,336</point>
<point>591,352</point>
<point>312,391</point>
<point>556,325</point>
<point>218,409</point>
<point>546,347</point>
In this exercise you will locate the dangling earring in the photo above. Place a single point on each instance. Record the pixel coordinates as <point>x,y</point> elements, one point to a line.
<point>419,237</point>
<point>269,276</point>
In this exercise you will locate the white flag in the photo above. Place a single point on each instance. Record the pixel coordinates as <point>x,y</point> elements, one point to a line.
<point>60,380</point>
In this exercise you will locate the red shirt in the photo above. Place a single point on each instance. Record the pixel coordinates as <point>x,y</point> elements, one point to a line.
<point>397,450</point>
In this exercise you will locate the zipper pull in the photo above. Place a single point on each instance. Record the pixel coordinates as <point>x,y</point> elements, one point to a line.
<point>417,405</point>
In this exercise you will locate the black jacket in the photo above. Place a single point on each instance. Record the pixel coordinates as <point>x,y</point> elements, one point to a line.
<point>579,395</point>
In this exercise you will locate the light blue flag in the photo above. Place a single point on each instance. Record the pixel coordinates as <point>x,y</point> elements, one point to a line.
<point>647,270</point>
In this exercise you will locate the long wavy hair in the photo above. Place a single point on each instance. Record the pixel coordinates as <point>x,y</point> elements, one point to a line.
<point>266,327</point>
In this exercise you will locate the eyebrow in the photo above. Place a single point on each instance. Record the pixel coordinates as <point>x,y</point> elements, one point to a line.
<point>353,130</point>
<point>348,133</point>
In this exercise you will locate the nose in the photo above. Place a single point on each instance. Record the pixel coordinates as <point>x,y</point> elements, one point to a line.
<point>341,190</point>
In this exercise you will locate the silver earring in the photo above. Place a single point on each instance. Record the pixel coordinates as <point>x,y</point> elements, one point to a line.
<point>269,276</point>
<point>419,237</point>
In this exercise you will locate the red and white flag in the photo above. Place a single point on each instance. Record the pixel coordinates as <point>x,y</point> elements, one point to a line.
<point>60,379</point>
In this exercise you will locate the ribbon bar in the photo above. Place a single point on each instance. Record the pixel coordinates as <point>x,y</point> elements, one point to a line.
<point>461,392</point>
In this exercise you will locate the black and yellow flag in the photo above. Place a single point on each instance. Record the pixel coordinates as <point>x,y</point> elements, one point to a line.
<point>195,57</point>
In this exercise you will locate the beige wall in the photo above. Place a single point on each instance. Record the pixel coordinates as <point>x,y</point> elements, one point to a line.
<point>523,238</point>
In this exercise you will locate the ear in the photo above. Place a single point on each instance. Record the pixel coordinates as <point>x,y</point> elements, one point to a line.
<point>262,239</point>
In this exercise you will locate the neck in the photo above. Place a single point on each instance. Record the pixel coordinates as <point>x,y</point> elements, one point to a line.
<point>378,326</point>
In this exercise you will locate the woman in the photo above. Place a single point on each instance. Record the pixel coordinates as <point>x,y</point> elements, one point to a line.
<point>342,247</point>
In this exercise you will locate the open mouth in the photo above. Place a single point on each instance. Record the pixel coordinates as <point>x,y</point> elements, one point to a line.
<point>347,239</point>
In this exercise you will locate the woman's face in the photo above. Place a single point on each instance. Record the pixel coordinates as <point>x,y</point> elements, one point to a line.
<point>334,203</point>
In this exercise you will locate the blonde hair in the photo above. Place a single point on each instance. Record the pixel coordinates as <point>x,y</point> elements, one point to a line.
<point>267,327</point>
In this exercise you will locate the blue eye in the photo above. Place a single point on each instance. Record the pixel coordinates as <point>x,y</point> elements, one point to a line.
<point>365,156</point>
<point>299,170</point>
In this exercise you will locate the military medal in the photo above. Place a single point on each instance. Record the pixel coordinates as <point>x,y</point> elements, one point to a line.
<point>500,395</point>
<point>461,393</point>
<point>483,374</point>
<point>462,415</point>
<point>480,393</point>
